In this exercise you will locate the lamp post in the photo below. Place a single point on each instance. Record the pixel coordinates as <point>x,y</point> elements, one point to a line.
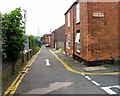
<point>26,48</point>
<point>25,16</point>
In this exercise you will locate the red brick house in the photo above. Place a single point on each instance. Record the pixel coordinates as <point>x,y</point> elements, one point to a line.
<point>58,37</point>
<point>91,31</point>
<point>53,39</point>
<point>47,39</point>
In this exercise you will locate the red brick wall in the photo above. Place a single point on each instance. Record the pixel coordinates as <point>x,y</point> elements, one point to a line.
<point>8,68</point>
<point>103,32</point>
<point>7,72</point>
<point>53,39</point>
<point>119,27</point>
<point>99,36</point>
<point>46,38</point>
<point>60,37</point>
<point>69,30</point>
<point>83,27</point>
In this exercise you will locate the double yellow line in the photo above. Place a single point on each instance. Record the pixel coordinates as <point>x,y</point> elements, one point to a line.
<point>78,72</point>
<point>13,87</point>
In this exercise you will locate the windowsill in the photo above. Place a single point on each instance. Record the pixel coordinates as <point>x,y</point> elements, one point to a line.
<point>77,22</point>
<point>78,51</point>
<point>68,47</point>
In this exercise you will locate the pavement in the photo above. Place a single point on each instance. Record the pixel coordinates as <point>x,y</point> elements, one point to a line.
<point>80,66</point>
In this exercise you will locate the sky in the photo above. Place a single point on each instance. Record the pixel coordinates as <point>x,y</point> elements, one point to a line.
<point>42,15</point>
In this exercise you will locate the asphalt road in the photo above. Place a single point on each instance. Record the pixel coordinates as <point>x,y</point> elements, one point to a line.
<point>55,79</point>
<point>108,83</point>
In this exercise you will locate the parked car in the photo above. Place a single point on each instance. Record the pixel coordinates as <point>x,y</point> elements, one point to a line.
<point>47,45</point>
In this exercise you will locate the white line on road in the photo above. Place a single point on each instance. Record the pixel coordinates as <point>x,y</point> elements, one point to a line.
<point>116,86</point>
<point>95,83</point>
<point>82,74</point>
<point>87,77</point>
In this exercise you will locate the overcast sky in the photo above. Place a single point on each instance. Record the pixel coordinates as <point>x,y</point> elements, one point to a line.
<point>45,14</point>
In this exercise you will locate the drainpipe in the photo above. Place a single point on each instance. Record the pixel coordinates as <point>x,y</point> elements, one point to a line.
<point>73,33</point>
<point>88,29</point>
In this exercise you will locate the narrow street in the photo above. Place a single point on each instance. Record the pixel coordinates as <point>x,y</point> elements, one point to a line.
<point>59,47</point>
<point>54,79</point>
<point>57,79</point>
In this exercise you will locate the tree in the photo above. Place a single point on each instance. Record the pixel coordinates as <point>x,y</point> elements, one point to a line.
<point>12,34</point>
<point>31,42</point>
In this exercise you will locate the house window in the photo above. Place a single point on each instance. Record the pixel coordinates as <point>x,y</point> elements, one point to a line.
<point>78,13</point>
<point>68,19</point>
<point>68,40</point>
<point>77,41</point>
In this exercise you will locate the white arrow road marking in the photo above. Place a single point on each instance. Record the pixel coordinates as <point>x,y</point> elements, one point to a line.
<point>52,87</point>
<point>47,62</point>
<point>108,90</point>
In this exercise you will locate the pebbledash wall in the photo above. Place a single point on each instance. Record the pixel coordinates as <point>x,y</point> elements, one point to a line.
<point>91,32</point>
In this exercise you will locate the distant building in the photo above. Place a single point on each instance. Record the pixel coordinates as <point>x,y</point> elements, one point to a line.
<point>91,30</point>
<point>53,39</point>
<point>46,39</point>
<point>58,37</point>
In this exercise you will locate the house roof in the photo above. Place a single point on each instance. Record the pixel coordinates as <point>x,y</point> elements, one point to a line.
<point>46,34</point>
<point>61,27</point>
<point>71,6</point>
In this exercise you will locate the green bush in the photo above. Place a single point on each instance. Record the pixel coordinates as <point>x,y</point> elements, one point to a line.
<point>36,49</point>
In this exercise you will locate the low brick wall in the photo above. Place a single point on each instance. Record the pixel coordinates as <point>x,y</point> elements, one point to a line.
<point>7,69</point>
<point>24,58</point>
<point>18,63</point>
<point>28,55</point>
<point>31,53</point>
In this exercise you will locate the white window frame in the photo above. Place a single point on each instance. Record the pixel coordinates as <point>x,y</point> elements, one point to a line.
<point>68,17</point>
<point>77,37</point>
<point>78,13</point>
<point>77,41</point>
<point>68,41</point>
<point>77,47</point>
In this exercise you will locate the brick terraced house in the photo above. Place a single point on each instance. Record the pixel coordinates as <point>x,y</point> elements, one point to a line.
<point>58,37</point>
<point>47,38</point>
<point>52,43</point>
<point>91,30</point>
